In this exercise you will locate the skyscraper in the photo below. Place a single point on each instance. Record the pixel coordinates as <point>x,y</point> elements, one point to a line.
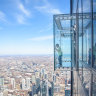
<point>75,47</point>
<point>1,81</point>
<point>23,84</point>
<point>33,79</point>
<point>13,82</point>
<point>28,83</point>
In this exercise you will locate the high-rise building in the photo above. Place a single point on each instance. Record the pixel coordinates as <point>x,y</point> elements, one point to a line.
<point>37,74</point>
<point>13,82</point>
<point>28,83</point>
<point>75,47</point>
<point>33,79</point>
<point>1,81</point>
<point>47,88</point>
<point>23,84</point>
<point>54,78</point>
<point>33,90</point>
<point>43,89</point>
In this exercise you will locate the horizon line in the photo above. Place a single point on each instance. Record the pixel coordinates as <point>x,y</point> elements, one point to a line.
<point>24,54</point>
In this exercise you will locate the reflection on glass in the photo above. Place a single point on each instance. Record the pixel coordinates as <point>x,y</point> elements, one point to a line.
<point>87,42</point>
<point>86,80</point>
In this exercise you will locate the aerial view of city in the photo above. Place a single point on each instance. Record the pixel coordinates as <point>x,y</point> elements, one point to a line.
<point>47,47</point>
<point>31,76</point>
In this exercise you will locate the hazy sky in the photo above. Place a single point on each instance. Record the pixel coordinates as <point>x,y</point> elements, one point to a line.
<point>26,26</point>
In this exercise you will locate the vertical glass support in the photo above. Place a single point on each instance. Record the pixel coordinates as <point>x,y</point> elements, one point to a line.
<point>77,36</point>
<point>54,38</point>
<point>71,3</point>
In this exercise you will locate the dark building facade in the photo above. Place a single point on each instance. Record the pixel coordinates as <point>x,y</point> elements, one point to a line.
<point>75,46</point>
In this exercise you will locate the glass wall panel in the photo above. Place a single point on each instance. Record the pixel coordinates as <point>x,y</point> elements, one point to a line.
<point>94,44</point>
<point>94,34</point>
<point>66,43</point>
<point>87,46</point>
<point>87,54</point>
<point>87,42</point>
<point>62,42</point>
<point>56,41</point>
<point>87,32</point>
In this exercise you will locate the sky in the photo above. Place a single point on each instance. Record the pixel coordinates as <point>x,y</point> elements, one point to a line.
<point>26,26</point>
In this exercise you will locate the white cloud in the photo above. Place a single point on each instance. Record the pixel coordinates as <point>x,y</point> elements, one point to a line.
<point>25,11</point>
<point>2,16</point>
<point>55,11</point>
<point>20,19</point>
<point>23,14</point>
<point>48,8</point>
<point>42,38</point>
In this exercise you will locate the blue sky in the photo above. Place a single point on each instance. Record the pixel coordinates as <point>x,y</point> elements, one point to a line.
<point>26,26</point>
